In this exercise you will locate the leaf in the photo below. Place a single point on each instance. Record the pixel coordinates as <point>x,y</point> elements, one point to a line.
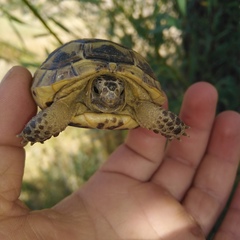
<point>40,18</point>
<point>11,16</point>
<point>182,6</point>
<point>59,24</point>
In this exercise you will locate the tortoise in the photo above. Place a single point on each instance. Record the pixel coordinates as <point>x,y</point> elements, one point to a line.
<point>95,83</point>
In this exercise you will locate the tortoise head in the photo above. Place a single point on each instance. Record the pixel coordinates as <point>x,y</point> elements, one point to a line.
<point>108,93</point>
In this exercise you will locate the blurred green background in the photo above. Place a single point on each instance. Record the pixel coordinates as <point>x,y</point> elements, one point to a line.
<point>184,41</point>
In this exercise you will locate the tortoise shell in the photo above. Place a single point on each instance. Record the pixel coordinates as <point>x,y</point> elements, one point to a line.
<point>80,60</point>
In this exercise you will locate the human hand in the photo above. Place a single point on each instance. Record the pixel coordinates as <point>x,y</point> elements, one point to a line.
<point>143,191</point>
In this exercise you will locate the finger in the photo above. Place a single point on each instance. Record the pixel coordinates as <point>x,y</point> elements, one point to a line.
<point>16,107</point>
<point>139,157</point>
<point>183,157</point>
<point>215,177</point>
<point>230,226</point>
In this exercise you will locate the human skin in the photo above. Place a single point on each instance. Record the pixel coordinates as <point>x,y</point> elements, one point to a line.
<point>143,191</point>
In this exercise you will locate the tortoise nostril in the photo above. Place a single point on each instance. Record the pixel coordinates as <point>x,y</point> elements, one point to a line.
<point>111,86</point>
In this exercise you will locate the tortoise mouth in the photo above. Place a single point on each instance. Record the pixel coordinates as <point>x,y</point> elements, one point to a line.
<point>102,106</point>
<point>108,93</point>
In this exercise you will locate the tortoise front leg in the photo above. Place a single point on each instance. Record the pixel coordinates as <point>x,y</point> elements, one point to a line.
<point>47,123</point>
<point>159,120</point>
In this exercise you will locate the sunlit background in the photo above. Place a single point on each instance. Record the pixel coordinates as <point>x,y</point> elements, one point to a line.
<point>183,41</point>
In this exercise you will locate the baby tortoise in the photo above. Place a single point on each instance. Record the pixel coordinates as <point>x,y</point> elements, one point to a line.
<point>96,83</point>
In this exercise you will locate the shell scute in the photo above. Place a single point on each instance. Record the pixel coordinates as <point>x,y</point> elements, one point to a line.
<point>108,52</point>
<point>63,56</point>
<point>140,62</point>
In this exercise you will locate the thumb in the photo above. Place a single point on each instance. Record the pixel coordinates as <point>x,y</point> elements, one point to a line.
<point>16,107</point>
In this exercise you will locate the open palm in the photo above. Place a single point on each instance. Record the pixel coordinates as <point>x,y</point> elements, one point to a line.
<point>143,191</point>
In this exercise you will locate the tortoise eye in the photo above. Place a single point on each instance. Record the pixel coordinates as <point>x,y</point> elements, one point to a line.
<point>95,89</point>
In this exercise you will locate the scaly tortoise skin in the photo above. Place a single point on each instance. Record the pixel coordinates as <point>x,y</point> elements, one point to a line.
<point>96,83</point>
